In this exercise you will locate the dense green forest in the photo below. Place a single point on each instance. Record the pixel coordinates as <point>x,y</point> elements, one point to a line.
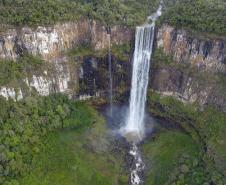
<point>24,126</point>
<point>198,15</point>
<point>45,12</point>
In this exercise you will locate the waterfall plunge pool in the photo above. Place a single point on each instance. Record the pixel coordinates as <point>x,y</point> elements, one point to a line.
<point>98,155</point>
<point>138,154</point>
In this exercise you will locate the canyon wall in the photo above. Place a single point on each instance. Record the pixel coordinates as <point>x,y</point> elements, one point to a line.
<point>51,43</point>
<point>197,72</point>
<point>204,53</point>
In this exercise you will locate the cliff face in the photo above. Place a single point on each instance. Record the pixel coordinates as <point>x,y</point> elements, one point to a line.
<point>205,54</point>
<point>50,43</point>
<point>197,72</point>
<point>94,76</point>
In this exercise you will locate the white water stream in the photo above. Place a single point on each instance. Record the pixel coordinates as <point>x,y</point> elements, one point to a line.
<point>110,73</point>
<point>134,129</point>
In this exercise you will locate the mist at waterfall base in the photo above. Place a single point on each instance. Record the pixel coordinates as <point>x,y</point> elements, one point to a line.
<point>116,116</point>
<point>134,129</point>
<point>128,121</point>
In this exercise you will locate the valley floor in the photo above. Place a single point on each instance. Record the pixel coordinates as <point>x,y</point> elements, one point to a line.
<point>91,156</point>
<point>81,156</point>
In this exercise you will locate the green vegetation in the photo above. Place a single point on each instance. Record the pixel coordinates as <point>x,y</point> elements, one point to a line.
<point>171,156</point>
<point>205,78</point>
<point>121,52</point>
<point>24,126</point>
<point>37,12</point>
<point>45,12</point>
<point>207,127</point>
<point>80,156</point>
<point>12,72</point>
<point>197,15</point>
<point>80,51</point>
<point>127,12</point>
<point>160,59</point>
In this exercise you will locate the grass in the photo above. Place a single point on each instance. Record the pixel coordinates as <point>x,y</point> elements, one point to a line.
<point>121,52</point>
<point>206,126</point>
<point>13,73</point>
<point>162,155</point>
<point>78,156</point>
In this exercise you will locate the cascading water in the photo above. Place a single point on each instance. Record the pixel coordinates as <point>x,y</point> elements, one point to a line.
<point>134,128</point>
<point>141,63</point>
<point>110,73</point>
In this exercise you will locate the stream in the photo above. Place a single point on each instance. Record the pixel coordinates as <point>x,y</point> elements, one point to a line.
<point>134,159</point>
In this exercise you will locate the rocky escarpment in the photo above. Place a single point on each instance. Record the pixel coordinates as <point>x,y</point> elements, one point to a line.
<point>204,53</point>
<point>197,69</point>
<point>94,76</point>
<point>196,73</point>
<point>50,43</point>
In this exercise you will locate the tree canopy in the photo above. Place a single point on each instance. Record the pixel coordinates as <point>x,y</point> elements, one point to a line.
<point>24,126</point>
<point>42,12</point>
<point>198,15</point>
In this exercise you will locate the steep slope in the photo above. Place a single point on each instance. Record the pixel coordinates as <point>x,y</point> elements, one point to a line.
<point>189,67</point>
<point>52,44</point>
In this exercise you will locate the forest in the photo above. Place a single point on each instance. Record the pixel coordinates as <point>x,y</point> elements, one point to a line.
<point>80,138</point>
<point>197,15</point>
<point>47,12</point>
<point>24,126</point>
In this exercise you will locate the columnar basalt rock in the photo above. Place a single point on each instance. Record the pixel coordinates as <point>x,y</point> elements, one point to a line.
<point>207,54</point>
<point>203,54</point>
<point>201,61</point>
<point>50,41</point>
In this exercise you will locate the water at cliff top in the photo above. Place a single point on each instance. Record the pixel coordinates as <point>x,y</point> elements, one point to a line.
<point>134,128</point>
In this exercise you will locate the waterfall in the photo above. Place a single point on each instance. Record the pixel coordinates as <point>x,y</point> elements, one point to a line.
<point>110,73</point>
<point>134,128</point>
<point>141,64</point>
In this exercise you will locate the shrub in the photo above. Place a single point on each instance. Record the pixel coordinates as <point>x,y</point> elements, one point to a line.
<point>199,15</point>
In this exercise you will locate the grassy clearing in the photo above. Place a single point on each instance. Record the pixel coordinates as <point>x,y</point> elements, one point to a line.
<point>206,126</point>
<point>121,51</point>
<point>163,153</point>
<point>80,156</point>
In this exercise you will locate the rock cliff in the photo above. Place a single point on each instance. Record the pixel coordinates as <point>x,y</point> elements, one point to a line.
<point>204,53</point>
<point>197,71</point>
<point>50,43</point>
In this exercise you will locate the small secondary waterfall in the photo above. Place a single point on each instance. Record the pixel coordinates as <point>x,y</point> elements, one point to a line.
<point>110,73</point>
